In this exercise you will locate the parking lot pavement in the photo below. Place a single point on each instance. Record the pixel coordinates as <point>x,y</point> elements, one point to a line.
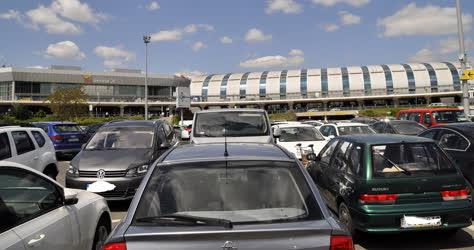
<point>464,239</point>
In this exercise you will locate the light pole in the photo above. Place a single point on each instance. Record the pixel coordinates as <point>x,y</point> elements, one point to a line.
<point>146,39</point>
<point>463,60</point>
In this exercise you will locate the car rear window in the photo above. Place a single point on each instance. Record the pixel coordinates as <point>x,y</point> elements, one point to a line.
<point>409,159</point>
<point>66,128</point>
<point>242,192</point>
<point>232,124</point>
<point>353,130</point>
<point>408,128</point>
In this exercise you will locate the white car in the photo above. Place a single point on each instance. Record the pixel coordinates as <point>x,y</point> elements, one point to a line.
<point>38,213</point>
<point>30,147</point>
<point>345,128</point>
<point>298,137</point>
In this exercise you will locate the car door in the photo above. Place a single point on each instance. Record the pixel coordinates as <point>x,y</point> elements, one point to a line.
<point>456,145</point>
<point>35,210</point>
<point>5,148</point>
<point>336,174</point>
<point>321,176</point>
<point>26,152</point>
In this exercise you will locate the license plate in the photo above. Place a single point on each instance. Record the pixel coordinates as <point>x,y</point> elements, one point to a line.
<point>74,139</point>
<point>420,222</point>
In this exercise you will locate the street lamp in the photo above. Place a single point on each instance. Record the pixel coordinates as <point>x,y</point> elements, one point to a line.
<point>463,60</point>
<point>146,40</point>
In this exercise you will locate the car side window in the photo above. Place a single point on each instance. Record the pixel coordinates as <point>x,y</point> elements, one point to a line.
<point>379,126</point>
<point>427,118</point>
<point>5,150</point>
<point>431,134</point>
<point>451,140</point>
<point>327,152</point>
<point>389,129</point>
<point>332,130</point>
<point>25,196</point>
<point>340,160</point>
<point>23,142</point>
<point>42,126</point>
<point>324,130</point>
<point>355,159</point>
<point>414,117</point>
<point>39,138</point>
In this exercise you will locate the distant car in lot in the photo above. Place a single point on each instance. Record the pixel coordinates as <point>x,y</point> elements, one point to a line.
<point>90,130</point>
<point>298,137</point>
<point>67,137</point>
<point>316,124</point>
<point>200,196</point>
<point>398,127</point>
<point>120,153</point>
<point>458,141</point>
<point>30,147</point>
<point>37,213</point>
<point>433,116</point>
<point>332,130</point>
<point>237,125</point>
<point>364,120</point>
<point>392,183</point>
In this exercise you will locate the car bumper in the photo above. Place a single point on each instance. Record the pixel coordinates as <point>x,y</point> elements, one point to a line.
<point>125,187</point>
<point>68,151</point>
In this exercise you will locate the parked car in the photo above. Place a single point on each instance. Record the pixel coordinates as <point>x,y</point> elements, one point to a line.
<point>433,116</point>
<point>90,130</point>
<point>316,124</point>
<point>38,213</point>
<point>30,147</point>
<point>392,183</point>
<point>402,127</point>
<point>217,196</point>
<point>458,141</point>
<point>332,130</point>
<point>364,120</point>
<point>119,154</point>
<point>67,137</point>
<point>298,137</point>
<point>238,125</point>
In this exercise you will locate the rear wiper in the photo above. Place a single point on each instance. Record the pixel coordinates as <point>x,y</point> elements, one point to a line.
<point>401,169</point>
<point>182,217</point>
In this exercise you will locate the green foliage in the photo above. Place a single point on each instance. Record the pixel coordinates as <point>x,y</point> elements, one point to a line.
<point>21,112</point>
<point>66,103</point>
<point>380,112</point>
<point>40,114</point>
<point>175,120</point>
<point>288,116</point>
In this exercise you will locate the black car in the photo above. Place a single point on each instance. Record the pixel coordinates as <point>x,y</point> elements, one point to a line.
<point>401,127</point>
<point>457,139</point>
<point>91,129</point>
<point>120,154</point>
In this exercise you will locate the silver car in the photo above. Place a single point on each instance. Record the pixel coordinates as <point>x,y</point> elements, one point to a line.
<point>235,196</point>
<point>37,213</point>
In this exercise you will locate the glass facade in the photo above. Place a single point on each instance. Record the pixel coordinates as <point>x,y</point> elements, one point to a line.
<point>205,87</point>
<point>243,85</point>
<point>283,75</point>
<point>345,82</point>
<point>223,90</point>
<point>304,83</point>
<point>263,85</point>
<point>411,78</point>
<point>388,78</point>
<point>5,91</point>
<point>367,85</point>
<point>324,82</point>
<point>455,75</point>
<point>433,78</point>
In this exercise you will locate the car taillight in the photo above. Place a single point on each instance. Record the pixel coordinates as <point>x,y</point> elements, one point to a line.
<point>115,246</point>
<point>450,195</point>
<point>341,242</point>
<point>56,137</point>
<point>378,198</point>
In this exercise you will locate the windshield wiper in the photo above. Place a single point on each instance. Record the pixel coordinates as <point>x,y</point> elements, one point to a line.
<point>401,169</point>
<point>182,217</point>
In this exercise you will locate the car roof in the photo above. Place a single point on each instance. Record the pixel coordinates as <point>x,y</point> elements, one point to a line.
<point>430,109</point>
<point>383,139</point>
<point>10,128</point>
<point>230,110</point>
<point>400,121</point>
<point>294,125</point>
<point>464,127</point>
<point>236,151</point>
<point>56,123</point>
<point>133,123</point>
<point>347,124</point>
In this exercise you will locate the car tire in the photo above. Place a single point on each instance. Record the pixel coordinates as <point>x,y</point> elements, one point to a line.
<point>50,172</point>
<point>346,219</point>
<point>100,236</point>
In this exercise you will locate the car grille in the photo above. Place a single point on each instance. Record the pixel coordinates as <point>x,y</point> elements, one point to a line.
<point>118,193</point>
<point>108,174</point>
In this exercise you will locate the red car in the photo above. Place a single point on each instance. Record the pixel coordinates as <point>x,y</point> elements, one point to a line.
<point>433,116</point>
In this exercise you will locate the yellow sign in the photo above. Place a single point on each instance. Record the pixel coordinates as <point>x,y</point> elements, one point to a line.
<point>468,74</point>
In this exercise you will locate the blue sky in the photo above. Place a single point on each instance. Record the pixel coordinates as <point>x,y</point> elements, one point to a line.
<point>188,35</point>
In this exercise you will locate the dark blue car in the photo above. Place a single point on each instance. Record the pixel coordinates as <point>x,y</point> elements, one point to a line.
<point>67,137</point>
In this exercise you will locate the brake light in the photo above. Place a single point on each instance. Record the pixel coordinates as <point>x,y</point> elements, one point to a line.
<point>378,198</point>
<point>56,137</point>
<point>341,242</point>
<point>450,195</point>
<point>115,246</point>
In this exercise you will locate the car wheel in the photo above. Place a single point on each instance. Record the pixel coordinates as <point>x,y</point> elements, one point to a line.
<point>101,234</point>
<point>346,219</point>
<point>51,173</point>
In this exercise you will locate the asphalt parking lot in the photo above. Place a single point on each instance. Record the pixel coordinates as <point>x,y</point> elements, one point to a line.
<point>423,240</point>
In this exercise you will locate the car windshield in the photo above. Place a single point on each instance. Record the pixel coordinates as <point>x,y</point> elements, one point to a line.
<point>122,138</point>
<point>300,134</point>
<point>409,159</point>
<point>66,128</point>
<point>449,116</point>
<point>242,192</point>
<point>352,130</point>
<point>408,128</point>
<point>233,124</point>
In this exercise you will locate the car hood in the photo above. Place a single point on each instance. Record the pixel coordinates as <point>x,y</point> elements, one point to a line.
<point>111,160</point>
<point>244,139</point>
<point>291,146</point>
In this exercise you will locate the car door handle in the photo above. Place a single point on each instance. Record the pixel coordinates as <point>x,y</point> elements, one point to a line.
<point>35,242</point>
<point>35,158</point>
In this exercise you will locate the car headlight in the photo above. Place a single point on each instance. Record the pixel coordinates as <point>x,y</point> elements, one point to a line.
<point>72,171</point>
<point>137,171</point>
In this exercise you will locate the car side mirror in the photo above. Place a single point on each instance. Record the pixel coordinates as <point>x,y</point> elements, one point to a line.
<point>277,133</point>
<point>185,135</point>
<point>70,199</point>
<point>312,157</point>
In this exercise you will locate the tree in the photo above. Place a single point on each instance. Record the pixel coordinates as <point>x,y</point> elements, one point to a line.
<point>66,103</point>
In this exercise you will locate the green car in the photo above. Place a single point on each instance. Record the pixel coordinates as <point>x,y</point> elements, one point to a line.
<point>392,183</point>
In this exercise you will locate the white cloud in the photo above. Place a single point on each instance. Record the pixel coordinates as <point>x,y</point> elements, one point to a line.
<point>225,40</point>
<point>11,14</point>
<point>428,20</point>
<point>445,49</point>
<point>273,61</point>
<point>424,55</point>
<point>349,18</point>
<point>190,73</point>
<point>153,6</point>
<point>330,27</point>
<point>355,3</point>
<point>77,11</point>
<point>64,50</point>
<point>256,35</point>
<point>36,67</point>
<point>177,34</point>
<point>296,52</point>
<point>197,46</point>
<point>49,20</point>
<point>114,56</point>
<point>285,6</point>
<point>192,28</point>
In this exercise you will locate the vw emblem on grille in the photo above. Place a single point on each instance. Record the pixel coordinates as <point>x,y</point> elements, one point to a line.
<point>101,174</point>
<point>229,245</point>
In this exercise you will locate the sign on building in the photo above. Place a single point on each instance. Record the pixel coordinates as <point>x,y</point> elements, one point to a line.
<point>183,98</point>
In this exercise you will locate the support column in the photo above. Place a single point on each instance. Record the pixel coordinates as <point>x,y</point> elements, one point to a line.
<point>122,109</point>
<point>360,104</point>
<point>13,90</point>
<point>291,107</point>
<point>428,100</point>
<point>396,102</point>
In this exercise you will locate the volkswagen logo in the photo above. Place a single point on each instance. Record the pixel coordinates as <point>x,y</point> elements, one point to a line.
<point>229,245</point>
<point>101,174</point>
